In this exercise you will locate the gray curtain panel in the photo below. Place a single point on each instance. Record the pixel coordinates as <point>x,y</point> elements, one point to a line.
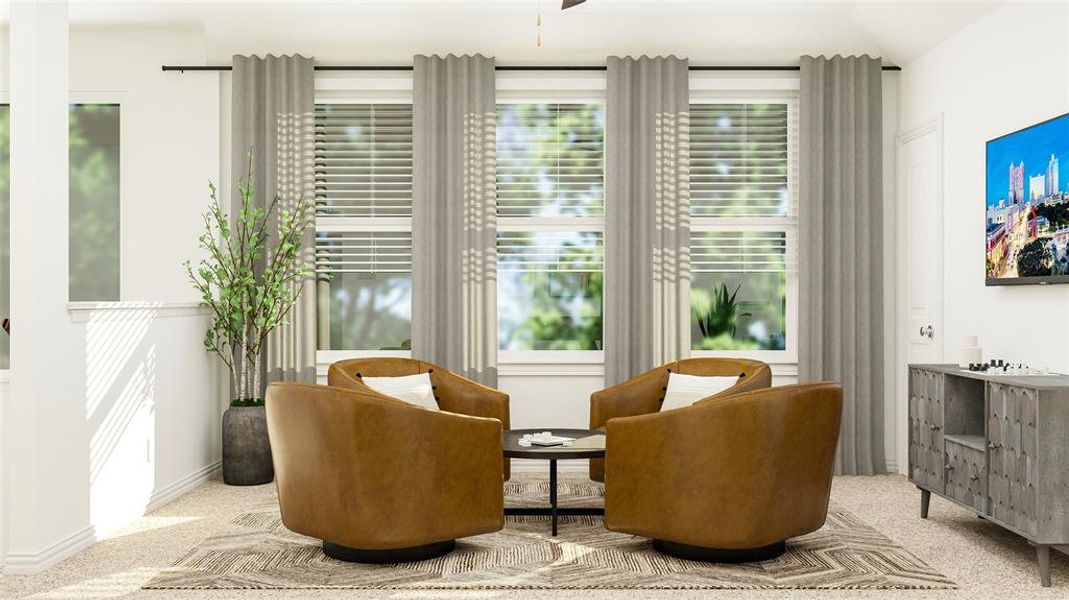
<point>273,116</point>
<point>840,247</point>
<point>647,215</point>
<point>454,215</point>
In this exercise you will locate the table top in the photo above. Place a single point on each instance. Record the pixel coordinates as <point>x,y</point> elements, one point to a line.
<point>1052,381</point>
<point>514,450</point>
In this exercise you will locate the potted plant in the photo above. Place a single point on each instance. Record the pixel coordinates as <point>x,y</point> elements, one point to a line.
<point>717,319</point>
<point>250,286</point>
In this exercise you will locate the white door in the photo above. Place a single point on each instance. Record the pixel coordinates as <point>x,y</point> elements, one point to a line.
<point>920,252</point>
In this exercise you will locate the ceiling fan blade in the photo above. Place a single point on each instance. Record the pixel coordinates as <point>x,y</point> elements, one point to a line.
<point>570,3</point>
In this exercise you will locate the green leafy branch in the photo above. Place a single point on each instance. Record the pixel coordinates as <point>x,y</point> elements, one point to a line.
<point>249,281</point>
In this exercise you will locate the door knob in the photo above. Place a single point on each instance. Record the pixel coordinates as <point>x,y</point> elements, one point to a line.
<point>928,331</point>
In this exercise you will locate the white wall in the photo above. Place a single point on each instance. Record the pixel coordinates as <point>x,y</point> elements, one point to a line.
<point>135,406</point>
<point>1008,70</point>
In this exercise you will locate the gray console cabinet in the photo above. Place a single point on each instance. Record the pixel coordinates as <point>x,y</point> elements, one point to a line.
<point>996,445</point>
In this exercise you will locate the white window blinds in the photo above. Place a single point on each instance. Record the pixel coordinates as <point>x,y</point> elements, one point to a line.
<point>739,160</point>
<point>364,160</point>
<point>550,252</point>
<point>364,252</point>
<point>363,188</point>
<point>738,252</point>
<point>550,160</point>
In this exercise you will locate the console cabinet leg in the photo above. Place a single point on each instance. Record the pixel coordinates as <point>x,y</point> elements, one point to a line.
<point>926,499</point>
<point>1043,557</point>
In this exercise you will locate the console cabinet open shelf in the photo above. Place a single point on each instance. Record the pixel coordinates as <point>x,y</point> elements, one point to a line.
<point>996,445</point>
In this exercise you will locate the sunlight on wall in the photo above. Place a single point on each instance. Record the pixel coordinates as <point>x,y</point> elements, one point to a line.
<point>121,371</point>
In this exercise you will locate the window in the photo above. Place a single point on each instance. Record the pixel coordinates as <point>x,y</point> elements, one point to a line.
<point>364,226</point>
<point>94,208</point>
<point>94,202</point>
<point>742,178</point>
<point>550,207</point>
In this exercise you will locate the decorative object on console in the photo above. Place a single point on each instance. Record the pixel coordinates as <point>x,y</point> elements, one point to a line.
<point>971,353</point>
<point>249,297</point>
<point>707,482</point>
<point>995,445</point>
<point>414,389</point>
<point>645,393</point>
<point>684,390</point>
<point>453,393</point>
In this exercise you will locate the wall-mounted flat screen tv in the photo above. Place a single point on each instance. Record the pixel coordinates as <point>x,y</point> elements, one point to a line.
<point>1027,205</point>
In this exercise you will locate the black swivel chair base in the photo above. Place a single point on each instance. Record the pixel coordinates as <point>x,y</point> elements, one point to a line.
<point>393,555</point>
<point>718,555</point>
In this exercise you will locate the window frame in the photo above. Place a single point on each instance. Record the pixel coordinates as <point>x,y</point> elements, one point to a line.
<point>556,88</point>
<point>759,90</point>
<point>362,88</point>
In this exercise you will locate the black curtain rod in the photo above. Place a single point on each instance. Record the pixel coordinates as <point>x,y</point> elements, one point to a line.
<point>183,68</point>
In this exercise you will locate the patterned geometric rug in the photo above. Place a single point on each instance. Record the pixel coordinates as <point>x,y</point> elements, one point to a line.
<point>255,551</point>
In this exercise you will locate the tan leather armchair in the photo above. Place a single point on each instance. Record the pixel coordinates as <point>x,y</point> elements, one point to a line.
<point>454,393</point>
<point>380,480</point>
<point>643,394</point>
<point>726,479</point>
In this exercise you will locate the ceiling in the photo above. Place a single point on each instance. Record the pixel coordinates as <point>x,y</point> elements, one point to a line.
<point>707,31</point>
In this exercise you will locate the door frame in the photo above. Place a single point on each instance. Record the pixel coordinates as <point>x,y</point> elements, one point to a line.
<point>933,125</point>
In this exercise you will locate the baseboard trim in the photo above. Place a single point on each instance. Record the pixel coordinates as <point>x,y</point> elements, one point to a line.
<point>28,563</point>
<point>172,492</point>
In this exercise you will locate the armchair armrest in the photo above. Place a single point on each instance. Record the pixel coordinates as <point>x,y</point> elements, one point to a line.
<point>463,396</point>
<point>639,395</point>
<point>460,395</point>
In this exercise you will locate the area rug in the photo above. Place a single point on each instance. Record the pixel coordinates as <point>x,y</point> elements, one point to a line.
<point>255,551</point>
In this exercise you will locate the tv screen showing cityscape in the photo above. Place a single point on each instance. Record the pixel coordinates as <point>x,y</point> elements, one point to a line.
<point>1027,205</point>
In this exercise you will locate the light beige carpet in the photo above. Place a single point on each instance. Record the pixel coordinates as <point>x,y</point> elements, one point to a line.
<point>255,551</point>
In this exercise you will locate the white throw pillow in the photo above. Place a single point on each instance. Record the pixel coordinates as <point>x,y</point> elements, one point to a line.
<point>414,389</point>
<point>684,390</point>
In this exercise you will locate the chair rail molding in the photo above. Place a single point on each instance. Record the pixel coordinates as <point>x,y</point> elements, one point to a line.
<point>81,312</point>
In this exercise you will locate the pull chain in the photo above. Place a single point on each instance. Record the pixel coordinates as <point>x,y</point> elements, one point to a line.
<point>538,24</point>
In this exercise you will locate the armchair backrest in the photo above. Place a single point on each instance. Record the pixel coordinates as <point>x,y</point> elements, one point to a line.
<point>347,373</point>
<point>453,392</point>
<point>753,374</point>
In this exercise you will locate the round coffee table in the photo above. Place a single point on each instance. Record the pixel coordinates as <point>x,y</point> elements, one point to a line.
<point>552,454</point>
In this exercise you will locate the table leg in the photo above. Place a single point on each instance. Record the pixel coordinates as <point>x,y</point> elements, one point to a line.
<point>553,492</point>
<point>1043,558</point>
<point>926,499</point>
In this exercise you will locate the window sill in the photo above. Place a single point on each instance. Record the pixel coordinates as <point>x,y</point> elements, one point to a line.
<point>559,363</point>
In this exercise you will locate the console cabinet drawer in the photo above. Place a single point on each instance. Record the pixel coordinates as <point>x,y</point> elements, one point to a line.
<point>966,475</point>
<point>1013,455</point>
<point>926,459</point>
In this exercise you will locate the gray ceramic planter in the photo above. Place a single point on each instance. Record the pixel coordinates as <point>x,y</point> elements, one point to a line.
<point>246,447</point>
